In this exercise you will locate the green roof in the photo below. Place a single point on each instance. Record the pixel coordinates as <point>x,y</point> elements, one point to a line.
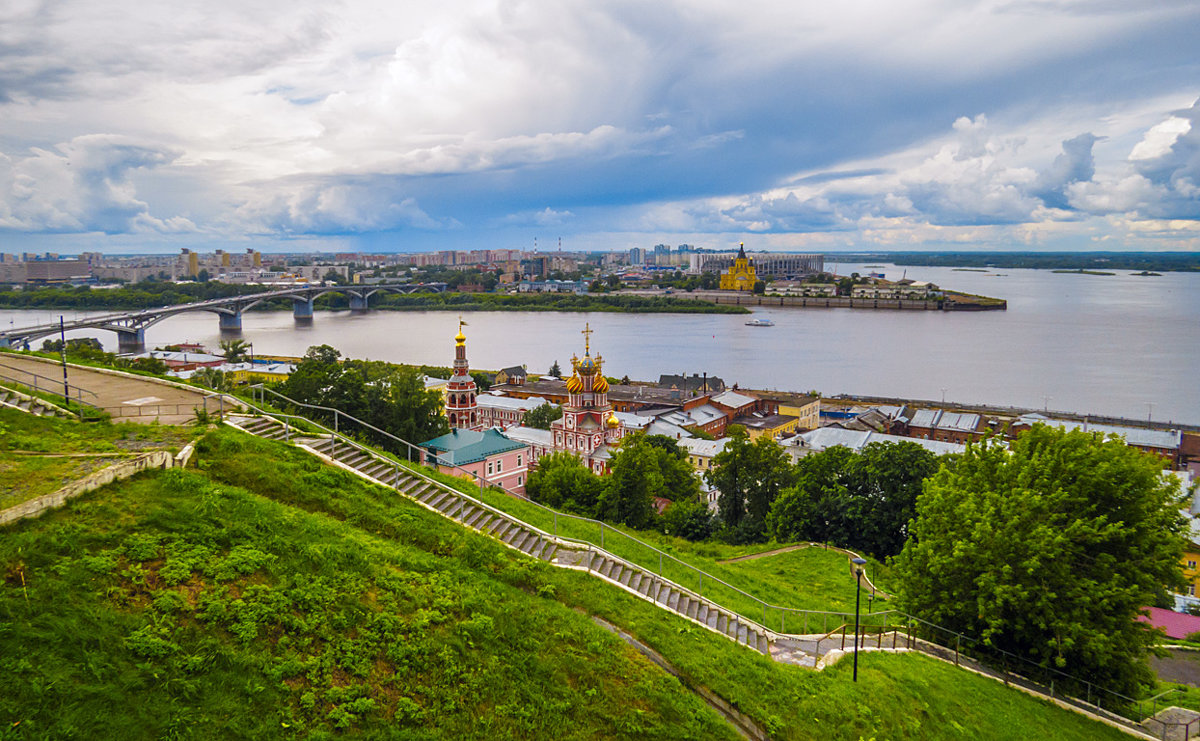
<point>460,447</point>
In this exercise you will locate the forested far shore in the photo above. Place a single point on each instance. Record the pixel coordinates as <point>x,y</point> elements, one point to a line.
<point>1157,261</point>
<point>150,294</point>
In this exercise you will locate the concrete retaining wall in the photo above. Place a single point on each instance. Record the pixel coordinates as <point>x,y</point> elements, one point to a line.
<point>115,472</point>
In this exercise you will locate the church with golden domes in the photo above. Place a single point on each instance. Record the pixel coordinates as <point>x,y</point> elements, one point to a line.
<point>588,425</point>
<point>741,276</point>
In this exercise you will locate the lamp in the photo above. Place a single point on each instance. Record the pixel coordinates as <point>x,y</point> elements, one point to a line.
<point>858,570</point>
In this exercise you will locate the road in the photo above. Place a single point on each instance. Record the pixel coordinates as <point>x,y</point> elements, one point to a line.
<point>124,397</point>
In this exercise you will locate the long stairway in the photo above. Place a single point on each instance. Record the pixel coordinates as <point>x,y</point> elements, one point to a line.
<point>533,542</point>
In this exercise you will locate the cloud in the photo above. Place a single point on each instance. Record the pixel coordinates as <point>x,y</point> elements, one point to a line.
<point>335,206</point>
<point>1074,165</point>
<point>83,186</point>
<point>545,217</point>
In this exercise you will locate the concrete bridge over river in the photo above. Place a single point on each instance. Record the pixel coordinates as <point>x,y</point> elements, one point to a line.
<point>130,326</point>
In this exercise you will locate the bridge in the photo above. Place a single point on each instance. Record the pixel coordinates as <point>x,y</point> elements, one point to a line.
<point>130,326</point>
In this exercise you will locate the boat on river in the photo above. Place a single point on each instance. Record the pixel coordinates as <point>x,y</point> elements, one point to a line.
<point>760,323</point>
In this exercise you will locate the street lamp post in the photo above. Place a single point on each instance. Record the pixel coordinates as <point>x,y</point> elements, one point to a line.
<point>858,569</point>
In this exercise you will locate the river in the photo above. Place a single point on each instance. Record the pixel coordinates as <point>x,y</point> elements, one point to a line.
<point>1119,345</point>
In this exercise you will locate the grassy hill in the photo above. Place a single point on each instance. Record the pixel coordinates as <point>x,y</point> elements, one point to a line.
<point>266,595</point>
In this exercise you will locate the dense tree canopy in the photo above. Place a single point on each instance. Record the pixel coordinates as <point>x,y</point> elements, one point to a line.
<point>863,501</point>
<point>542,416</point>
<point>1048,550</point>
<point>389,397</point>
<point>749,476</point>
<point>641,469</point>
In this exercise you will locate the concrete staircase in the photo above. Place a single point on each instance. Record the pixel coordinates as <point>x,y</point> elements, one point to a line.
<point>515,534</point>
<point>31,404</point>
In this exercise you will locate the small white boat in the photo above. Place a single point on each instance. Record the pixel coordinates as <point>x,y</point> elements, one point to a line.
<point>760,323</point>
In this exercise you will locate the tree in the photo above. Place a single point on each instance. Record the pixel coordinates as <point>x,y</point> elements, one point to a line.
<point>235,351</point>
<point>634,481</point>
<point>860,501</point>
<point>212,378</point>
<point>749,476</point>
<point>818,506</point>
<point>555,371</point>
<point>1048,550</point>
<point>563,482</point>
<point>541,417</point>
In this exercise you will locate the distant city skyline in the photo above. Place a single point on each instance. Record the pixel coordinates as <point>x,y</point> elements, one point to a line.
<point>1054,125</point>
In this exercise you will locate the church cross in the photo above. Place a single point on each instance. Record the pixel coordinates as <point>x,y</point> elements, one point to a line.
<point>587,338</point>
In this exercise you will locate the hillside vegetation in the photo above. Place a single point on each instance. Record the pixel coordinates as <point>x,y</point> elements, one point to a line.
<point>266,595</point>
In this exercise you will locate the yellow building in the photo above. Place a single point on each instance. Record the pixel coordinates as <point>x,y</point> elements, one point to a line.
<point>741,276</point>
<point>807,411</point>
<point>1191,574</point>
<point>773,426</point>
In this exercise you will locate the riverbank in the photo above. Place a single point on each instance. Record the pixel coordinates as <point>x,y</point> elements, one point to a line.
<point>139,298</point>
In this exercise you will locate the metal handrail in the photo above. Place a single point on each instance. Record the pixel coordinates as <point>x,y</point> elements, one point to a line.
<point>909,619</point>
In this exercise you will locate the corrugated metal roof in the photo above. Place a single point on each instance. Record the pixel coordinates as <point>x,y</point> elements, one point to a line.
<point>1164,439</point>
<point>828,437</point>
<point>706,448</point>
<point>734,399</point>
<point>925,418</point>
<point>492,401</point>
<point>531,436</point>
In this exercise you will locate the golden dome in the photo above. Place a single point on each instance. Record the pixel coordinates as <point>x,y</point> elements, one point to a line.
<point>587,366</point>
<point>460,338</point>
<point>575,384</point>
<point>612,421</point>
<point>600,385</point>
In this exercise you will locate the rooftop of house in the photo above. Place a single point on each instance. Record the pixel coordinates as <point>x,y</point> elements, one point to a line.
<point>1140,436</point>
<point>704,448</point>
<point>460,447</point>
<point>1176,624</point>
<point>531,436</point>
<point>764,421</point>
<point>943,420</point>
<point>828,437</point>
<point>733,399</point>
<point>495,401</point>
<point>516,370</point>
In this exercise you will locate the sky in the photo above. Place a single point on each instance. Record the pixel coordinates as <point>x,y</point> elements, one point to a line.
<point>412,126</point>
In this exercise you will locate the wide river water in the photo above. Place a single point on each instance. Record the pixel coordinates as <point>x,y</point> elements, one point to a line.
<point>1118,345</point>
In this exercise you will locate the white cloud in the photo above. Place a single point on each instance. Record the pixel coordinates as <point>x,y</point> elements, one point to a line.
<point>84,186</point>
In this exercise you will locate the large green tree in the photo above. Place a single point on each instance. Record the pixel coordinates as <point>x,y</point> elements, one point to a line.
<point>541,417</point>
<point>563,482</point>
<point>1048,549</point>
<point>749,476</point>
<point>862,501</point>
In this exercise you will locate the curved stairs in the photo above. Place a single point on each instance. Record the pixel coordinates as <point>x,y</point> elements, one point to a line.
<point>518,535</point>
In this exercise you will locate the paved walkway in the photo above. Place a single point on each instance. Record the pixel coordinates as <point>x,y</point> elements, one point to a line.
<point>127,398</point>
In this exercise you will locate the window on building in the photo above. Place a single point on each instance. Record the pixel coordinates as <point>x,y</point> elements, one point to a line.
<point>1191,590</point>
<point>519,482</point>
<point>1191,565</point>
<point>499,466</point>
<point>518,460</point>
<point>489,468</point>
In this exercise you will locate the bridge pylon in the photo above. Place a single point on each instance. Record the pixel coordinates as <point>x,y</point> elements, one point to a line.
<point>131,339</point>
<point>358,302</point>
<point>230,322</point>
<point>302,310</point>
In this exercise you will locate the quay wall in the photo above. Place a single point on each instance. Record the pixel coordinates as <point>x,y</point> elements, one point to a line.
<point>831,302</point>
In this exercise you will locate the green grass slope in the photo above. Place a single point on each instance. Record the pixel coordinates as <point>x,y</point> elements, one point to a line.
<point>269,596</point>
